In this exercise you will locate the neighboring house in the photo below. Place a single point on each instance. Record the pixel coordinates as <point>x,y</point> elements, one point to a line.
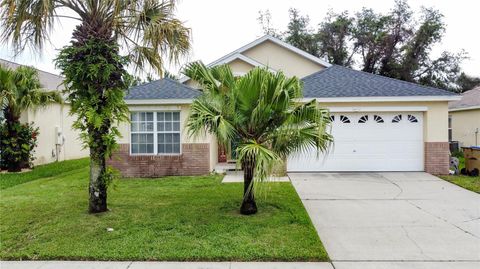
<point>464,119</point>
<point>57,141</point>
<point>379,123</point>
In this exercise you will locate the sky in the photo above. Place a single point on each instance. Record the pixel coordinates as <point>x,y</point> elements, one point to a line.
<point>221,26</point>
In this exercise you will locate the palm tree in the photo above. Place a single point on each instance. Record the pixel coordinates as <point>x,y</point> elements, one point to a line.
<point>261,111</point>
<point>110,35</point>
<point>20,90</point>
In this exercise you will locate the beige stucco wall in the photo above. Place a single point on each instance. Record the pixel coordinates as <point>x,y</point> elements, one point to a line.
<point>47,119</point>
<point>435,121</point>
<point>280,58</point>
<point>240,67</point>
<point>465,127</point>
<point>435,117</point>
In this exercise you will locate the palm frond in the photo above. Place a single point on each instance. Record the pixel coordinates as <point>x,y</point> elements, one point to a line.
<point>265,158</point>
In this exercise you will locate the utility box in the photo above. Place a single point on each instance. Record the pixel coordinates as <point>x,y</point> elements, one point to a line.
<point>472,160</point>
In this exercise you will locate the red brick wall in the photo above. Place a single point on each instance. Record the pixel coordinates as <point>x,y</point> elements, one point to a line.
<point>194,160</point>
<point>437,158</point>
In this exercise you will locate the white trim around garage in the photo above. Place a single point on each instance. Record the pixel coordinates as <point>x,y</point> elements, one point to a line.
<point>378,108</point>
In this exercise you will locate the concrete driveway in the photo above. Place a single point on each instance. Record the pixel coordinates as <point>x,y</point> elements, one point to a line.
<point>392,220</point>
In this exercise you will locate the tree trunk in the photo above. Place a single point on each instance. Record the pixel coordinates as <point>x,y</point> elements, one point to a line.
<point>98,187</point>
<point>249,206</point>
<point>12,122</point>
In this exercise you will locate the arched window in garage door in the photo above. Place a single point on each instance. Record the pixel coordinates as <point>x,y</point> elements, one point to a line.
<point>344,119</point>
<point>397,119</point>
<point>378,119</point>
<point>412,118</point>
<point>363,119</point>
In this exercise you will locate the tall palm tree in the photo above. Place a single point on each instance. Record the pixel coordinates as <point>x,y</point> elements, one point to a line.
<point>110,35</point>
<point>20,90</point>
<point>260,111</point>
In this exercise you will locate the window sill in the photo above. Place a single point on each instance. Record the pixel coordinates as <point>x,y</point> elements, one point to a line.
<point>150,155</point>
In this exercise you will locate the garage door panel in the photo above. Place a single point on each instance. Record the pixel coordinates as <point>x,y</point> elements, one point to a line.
<point>369,146</point>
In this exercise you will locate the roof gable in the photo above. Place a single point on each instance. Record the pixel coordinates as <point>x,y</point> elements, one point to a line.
<point>338,81</point>
<point>242,52</point>
<point>276,41</point>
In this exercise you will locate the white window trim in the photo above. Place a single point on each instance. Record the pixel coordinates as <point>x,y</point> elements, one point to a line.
<point>155,134</point>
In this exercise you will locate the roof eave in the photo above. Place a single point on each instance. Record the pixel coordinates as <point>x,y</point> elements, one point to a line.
<point>383,99</point>
<point>158,101</point>
<point>463,108</point>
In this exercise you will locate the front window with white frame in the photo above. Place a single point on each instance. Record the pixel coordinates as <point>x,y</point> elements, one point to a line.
<point>155,132</point>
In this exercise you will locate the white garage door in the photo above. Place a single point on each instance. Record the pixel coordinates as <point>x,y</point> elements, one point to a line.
<point>368,142</point>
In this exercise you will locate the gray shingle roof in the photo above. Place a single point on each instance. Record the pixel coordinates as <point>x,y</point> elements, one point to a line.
<point>469,99</point>
<point>338,81</point>
<point>48,80</point>
<point>165,88</point>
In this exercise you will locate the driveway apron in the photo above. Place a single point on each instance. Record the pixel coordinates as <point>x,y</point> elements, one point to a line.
<point>392,220</point>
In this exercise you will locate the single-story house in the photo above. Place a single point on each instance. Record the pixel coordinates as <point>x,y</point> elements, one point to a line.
<point>57,141</point>
<point>379,123</point>
<point>464,119</point>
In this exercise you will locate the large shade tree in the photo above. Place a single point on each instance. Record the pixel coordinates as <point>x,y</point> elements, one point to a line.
<point>396,44</point>
<point>109,36</point>
<point>20,90</point>
<point>262,113</point>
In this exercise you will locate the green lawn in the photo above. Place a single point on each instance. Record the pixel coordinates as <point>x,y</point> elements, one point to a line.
<point>41,171</point>
<point>469,183</point>
<point>175,218</point>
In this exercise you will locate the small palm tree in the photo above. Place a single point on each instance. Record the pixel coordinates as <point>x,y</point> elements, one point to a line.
<point>110,35</point>
<point>20,90</point>
<point>260,111</point>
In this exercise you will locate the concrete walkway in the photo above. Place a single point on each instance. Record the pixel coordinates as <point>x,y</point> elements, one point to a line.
<point>392,220</point>
<point>161,265</point>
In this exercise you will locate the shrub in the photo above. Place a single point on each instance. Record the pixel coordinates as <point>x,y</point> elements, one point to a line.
<point>19,148</point>
<point>457,154</point>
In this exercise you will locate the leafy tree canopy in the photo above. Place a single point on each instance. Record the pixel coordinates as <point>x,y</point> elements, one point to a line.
<point>395,44</point>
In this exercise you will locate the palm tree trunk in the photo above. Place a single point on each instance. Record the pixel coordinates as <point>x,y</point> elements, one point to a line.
<point>98,187</point>
<point>249,206</point>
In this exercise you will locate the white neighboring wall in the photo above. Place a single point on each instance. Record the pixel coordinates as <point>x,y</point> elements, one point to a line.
<point>53,121</point>
<point>57,141</point>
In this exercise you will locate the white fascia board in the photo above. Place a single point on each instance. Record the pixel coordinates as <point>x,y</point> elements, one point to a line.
<point>278,42</point>
<point>134,108</point>
<point>231,58</point>
<point>463,108</point>
<point>243,58</point>
<point>158,101</point>
<point>299,51</point>
<point>377,108</point>
<point>383,99</point>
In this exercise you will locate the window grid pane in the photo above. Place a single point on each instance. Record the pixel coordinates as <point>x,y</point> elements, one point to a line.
<point>168,132</point>
<point>142,132</point>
